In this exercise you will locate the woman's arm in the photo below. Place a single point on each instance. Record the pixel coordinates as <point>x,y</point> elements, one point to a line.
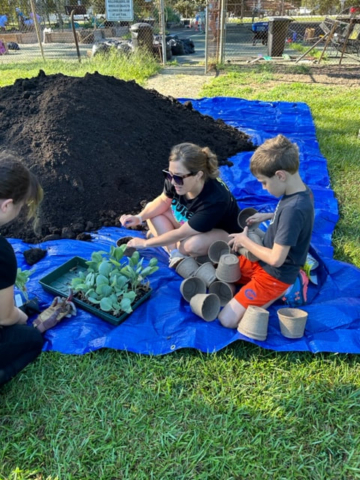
<point>167,238</point>
<point>152,209</point>
<point>9,314</point>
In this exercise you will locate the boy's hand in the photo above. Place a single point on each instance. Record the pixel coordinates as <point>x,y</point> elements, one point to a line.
<point>259,217</point>
<point>236,239</point>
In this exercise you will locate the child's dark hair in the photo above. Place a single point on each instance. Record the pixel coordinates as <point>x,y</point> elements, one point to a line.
<point>18,183</point>
<point>275,154</point>
<point>196,159</point>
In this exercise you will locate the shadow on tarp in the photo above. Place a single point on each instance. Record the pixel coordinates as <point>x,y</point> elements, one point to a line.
<point>165,322</point>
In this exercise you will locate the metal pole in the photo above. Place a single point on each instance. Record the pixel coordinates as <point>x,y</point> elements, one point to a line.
<point>75,36</point>
<point>163,33</point>
<point>206,37</point>
<point>37,29</point>
<point>222,31</point>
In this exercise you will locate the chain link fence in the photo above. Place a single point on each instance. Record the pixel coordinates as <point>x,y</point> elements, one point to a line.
<point>247,32</point>
<point>251,31</point>
<point>52,29</point>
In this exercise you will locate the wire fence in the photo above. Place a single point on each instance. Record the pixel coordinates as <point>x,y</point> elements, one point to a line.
<point>253,35</point>
<point>224,31</point>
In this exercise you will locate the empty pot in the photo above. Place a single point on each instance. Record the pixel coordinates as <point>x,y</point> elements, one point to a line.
<point>254,323</point>
<point>292,322</point>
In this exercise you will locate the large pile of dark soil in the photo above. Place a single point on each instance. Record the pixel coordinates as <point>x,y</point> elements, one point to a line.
<point>98,146</point>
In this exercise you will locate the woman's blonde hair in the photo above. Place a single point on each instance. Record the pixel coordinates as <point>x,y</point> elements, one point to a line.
<point>18,183</point>
<point>196,159</point>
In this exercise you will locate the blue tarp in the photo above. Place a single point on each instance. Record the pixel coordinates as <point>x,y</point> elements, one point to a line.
<point>165,323</point>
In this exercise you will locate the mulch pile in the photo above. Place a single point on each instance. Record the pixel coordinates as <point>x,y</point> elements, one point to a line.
<point>98,145</point>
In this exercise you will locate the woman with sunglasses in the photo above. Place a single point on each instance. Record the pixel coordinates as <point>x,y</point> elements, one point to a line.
<point>195,209</point>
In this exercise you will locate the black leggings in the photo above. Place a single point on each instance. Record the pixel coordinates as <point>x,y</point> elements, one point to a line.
<point>19,345</point>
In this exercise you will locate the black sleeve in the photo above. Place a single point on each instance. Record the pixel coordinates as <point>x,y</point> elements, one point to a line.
<point>8,264</point>
<point>208,217</point>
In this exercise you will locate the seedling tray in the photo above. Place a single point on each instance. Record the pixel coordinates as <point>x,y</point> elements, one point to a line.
<point>59,281</point>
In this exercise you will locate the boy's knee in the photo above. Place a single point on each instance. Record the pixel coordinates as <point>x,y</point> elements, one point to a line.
<point>227,321</point>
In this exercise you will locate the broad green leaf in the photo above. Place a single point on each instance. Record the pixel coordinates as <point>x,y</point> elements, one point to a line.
<point>102,280</point>
<point>105,268</point>
<point>106,304</point>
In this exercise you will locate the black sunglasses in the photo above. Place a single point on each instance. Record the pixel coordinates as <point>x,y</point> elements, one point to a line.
<point>178,179</point>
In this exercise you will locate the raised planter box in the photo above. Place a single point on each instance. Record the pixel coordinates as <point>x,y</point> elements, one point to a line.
<point>58,282</point>
<point>120,31</point>
<point>60,37</point>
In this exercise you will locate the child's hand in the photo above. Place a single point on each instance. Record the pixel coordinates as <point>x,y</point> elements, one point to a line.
<point>236,239</point>
<point>258,218</point>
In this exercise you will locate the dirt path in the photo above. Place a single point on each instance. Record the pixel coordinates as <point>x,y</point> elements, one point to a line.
<point>178,85</point>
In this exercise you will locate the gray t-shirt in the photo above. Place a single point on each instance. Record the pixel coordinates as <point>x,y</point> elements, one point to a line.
<point>292,226</point>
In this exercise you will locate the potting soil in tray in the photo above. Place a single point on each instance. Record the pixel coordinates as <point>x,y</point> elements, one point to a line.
<point>98,145</point>
<point>59,281</point>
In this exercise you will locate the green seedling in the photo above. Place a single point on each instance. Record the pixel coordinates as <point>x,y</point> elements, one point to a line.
<point>112,280</point>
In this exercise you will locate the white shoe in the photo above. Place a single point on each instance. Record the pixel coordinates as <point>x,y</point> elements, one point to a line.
<point>175,258</point>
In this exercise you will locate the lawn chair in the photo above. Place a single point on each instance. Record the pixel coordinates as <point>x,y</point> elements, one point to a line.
<point>344,32</point>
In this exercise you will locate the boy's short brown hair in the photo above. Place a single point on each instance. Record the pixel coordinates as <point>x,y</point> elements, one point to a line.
<point>275,154</point>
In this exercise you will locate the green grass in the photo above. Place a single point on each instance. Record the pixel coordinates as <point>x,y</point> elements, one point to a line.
<point>138,66</point>
<point>243,413</point>
<point>337,119</point>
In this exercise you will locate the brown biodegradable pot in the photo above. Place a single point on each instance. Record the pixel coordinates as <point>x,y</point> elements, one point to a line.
<point>254,323</point>
<point>292,322</point>
<point>206,306</point>
<point>192,286</point>
<point>202,259</point>
<point>225,291</point>
<point>244,215</point>
<point>260,233</point>
<point>228,269</point>
<point>187,267</point>
<point>130,250</point>
<point>206,272</point>
<point>217,249</point>
<point>253,235</point>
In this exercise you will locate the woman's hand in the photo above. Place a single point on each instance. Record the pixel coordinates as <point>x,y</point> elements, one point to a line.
<point>236,239</point>
<point>137,243</point>
<point>129,221</point>
<point>259,217</point>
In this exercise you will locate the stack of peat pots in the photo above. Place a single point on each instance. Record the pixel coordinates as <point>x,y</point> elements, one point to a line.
<point>209,281</point>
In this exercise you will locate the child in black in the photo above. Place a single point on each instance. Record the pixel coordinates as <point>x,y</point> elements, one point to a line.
<point>19,344</point>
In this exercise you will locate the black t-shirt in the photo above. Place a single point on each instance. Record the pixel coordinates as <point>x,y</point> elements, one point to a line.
<point>8,264</point>
<point>214,207</point>
<point>292,226</point>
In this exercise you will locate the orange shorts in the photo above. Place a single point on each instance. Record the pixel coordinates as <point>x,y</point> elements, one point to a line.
<point>259,287</point>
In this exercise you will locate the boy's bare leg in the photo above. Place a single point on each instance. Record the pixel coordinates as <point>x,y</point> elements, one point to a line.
<point>231,314</point>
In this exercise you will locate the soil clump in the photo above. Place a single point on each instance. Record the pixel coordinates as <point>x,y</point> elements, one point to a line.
<point>98,145</point>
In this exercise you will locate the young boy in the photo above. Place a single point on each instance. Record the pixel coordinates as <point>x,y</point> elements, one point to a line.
<point>275,164</point>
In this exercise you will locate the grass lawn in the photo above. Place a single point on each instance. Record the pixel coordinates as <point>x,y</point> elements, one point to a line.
<point>243,413</point>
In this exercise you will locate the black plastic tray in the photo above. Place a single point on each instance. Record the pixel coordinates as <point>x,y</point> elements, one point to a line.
<point>59,280</point>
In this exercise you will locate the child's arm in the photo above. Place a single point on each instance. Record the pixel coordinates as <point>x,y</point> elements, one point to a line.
<point>9,314</point>
<point>259,217</point>
<point>275,256</point>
